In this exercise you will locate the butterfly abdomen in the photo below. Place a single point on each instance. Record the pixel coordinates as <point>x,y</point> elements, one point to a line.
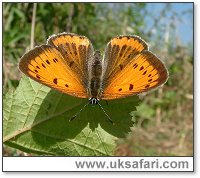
<point>96,73</point>
<point>94,87</point>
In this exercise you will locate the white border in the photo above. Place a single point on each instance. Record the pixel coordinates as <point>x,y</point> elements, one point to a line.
<point>119,164</point>
<point>197,88</point>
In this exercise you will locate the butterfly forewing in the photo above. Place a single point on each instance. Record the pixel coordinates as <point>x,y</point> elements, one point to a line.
<point>132,75</point>
<point>46,65</point>
<point>77,51</point>
<point>118,53</point>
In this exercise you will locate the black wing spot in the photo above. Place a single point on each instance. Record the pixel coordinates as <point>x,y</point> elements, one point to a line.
<point>141,68</point>
<point>150,80</point>
<point>147,86</point>
<point>144,72</point>
<point>66,85</point>
<point>36,71</point>
<point>38,76</point>
<point>131,87</point>
<point>120,89</point>
<point>135,65</point>
<point>38,67</point>
<point>55,60</point>
<point>128,37</point>
<point>55,80</point>
<point>71,63</point>
<point>43,65</point>
<point>149,75</point>
<point>121,66</point>
<point>47,61</point>
<point>120,37</point>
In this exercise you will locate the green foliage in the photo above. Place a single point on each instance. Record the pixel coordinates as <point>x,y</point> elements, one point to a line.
<point>36,120</point>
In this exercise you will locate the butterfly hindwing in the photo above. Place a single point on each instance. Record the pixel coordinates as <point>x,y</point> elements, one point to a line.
<point>46,65</point>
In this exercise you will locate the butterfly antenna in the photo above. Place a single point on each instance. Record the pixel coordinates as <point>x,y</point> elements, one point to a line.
<point>78,112</point>
<point>106,114</point>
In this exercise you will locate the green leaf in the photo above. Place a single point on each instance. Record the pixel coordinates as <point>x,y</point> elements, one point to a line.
<point>36,120</point>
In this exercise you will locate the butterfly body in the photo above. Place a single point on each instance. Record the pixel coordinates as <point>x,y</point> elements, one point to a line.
<point>95,79</point>
<point>69,64</point>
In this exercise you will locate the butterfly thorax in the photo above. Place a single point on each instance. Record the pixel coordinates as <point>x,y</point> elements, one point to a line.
<point>95,76</point>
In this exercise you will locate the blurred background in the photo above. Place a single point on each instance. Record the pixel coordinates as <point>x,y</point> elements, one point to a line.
<point>164,120</point>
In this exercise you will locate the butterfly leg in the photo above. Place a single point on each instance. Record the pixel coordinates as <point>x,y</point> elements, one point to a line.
<point>111,121</point>
<point>78,112</point>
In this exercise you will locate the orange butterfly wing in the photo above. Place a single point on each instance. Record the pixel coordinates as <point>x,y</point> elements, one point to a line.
<point>61,64</point>
<point>130,68</point>
<point>77,51</point>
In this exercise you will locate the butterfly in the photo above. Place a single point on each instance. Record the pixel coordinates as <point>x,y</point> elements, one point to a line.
<point>69,64</point>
